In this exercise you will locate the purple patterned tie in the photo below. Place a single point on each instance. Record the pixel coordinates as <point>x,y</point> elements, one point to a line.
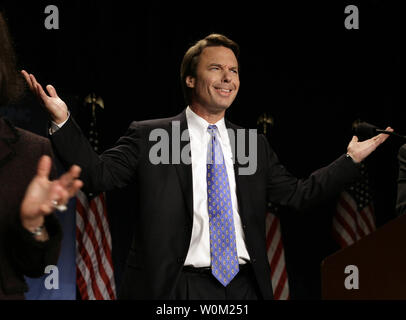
<point>223,250</point>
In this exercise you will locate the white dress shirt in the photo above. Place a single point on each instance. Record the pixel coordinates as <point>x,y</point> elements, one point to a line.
<point>199,249</point>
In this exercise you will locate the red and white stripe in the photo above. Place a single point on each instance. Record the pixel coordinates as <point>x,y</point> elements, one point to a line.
<point>94,264</point>
<point>349,224</point>
<point>276,258</point>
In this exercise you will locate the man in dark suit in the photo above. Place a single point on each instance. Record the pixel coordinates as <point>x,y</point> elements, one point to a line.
<point>200,224</point>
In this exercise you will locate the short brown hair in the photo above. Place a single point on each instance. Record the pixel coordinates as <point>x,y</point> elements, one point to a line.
<point>11,84</point>
<point>191,57</point>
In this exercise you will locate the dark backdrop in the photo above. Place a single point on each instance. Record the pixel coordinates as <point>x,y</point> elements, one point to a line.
<point>298,63</point>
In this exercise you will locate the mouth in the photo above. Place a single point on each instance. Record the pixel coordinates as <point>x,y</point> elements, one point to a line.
<point>223,91</point>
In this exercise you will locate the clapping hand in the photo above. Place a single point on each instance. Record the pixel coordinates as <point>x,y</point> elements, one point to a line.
<point>44,196</point>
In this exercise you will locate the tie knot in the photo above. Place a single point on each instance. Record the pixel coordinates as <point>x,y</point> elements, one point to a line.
<point>212,129</point>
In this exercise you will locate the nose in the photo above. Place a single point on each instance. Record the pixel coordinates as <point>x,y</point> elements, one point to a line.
<point>227,76</point>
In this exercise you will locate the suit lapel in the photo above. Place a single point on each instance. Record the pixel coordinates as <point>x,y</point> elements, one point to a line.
<point>184,171</point>
<point>241,186</point>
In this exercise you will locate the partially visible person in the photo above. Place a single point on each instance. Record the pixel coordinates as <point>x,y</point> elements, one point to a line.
<point>30,234</point>
<point>401,196</point>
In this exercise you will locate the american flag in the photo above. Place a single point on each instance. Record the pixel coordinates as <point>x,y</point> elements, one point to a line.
<point>276,257</point>
<point>354,217</point>
<point>94,263</point>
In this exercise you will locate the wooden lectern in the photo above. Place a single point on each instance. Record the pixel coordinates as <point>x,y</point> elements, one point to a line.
<point>381,261</point>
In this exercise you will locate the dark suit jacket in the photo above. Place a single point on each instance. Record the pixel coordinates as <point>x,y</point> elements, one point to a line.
<point>20,253</point>
<point>164,200</point>
<point>401,196</point>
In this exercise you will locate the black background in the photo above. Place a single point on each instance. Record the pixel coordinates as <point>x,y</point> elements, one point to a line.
<point>298,63</point>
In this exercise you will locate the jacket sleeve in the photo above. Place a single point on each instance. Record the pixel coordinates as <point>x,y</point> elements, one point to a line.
<point>323,184</point>
<point>114,168</point>
<point>401,192</point>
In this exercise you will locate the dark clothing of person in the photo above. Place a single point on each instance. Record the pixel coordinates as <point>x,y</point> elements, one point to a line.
<point>20,254</point>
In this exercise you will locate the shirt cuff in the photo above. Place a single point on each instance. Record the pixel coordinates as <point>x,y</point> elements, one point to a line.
<point>55,127</point>
<point>349,157</point>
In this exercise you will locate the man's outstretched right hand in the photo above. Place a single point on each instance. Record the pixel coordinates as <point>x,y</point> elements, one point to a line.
<point>55,106</point>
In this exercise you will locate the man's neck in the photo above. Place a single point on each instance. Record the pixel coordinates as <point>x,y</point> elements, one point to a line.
<point>210,116</point>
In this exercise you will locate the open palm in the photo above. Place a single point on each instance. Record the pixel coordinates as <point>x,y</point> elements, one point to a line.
<point>55,106</point>
<point>359,150</point>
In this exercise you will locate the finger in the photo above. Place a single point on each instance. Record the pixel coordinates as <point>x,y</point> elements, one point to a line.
<point>63,197</point>
<point>44,166</point>
<point>57,197</point>
<point>354,139</point>
<point>41,93</point>
<point>383,137</point>
<point>46,208</point>
<point>52,196</point>
<point>51,90</point>
<point>37,86</point>
<point>67,178</point>
<point>75,188</point>
<point>34,85</point>
<point>380,138</point>
<point>27,79</point>
<point>75,171</point>
<point>33,80</point>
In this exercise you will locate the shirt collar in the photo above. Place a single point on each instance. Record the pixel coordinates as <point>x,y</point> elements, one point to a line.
<point>197,123</point>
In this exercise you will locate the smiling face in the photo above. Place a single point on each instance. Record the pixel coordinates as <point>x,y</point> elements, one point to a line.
<point>217,80</point>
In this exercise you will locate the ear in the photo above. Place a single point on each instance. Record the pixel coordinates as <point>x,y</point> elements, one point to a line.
<point>190,81</point>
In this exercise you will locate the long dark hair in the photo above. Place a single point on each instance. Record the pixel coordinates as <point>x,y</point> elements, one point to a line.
<point>11,82</point>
